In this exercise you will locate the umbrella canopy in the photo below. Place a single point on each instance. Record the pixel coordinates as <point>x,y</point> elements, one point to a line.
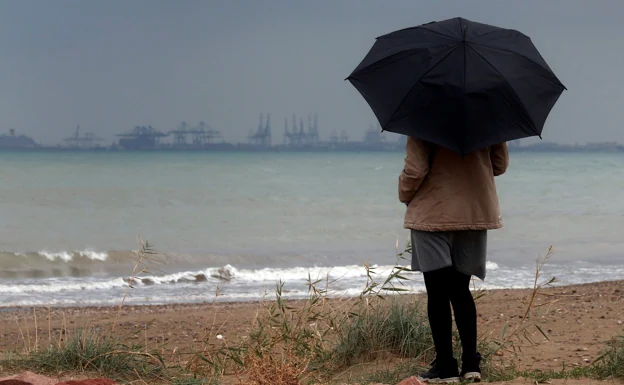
<point>457,83</point>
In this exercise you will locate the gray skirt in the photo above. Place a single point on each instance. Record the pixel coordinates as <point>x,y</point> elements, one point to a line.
<point>465,250</point>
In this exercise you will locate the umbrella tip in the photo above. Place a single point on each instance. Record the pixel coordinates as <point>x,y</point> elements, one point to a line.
<point>540,136</point>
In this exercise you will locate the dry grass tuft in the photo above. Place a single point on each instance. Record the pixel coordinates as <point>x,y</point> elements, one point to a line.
<point>283,369</point>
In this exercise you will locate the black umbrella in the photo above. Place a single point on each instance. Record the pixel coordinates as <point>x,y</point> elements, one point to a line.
<point>457,83</point>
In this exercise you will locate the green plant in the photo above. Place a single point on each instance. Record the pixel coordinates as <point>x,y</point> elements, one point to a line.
<point>399,328</point>
<point>193,380</point>
<point>611,362</point>
<point>89,351</point>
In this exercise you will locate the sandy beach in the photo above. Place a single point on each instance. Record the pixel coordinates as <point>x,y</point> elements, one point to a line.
<point>577,319</point>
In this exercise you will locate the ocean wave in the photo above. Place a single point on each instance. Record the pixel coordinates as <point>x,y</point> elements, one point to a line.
<point>57,286</point>
<point>50,264</point>
<point>230,273</point>
<point>223,274</point>
<point>52,256</point>
<point>229,283</point>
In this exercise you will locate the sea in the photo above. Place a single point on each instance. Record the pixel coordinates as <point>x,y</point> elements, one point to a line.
<point>233,226</point>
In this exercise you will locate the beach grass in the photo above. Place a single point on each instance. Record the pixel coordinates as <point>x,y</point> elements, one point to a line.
<point>91,351</point>
<point>400,329</point>
<point>193,380</point>
<point>611,362</point>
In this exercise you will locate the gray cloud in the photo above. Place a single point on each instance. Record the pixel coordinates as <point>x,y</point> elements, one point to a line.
<point>111,65</point>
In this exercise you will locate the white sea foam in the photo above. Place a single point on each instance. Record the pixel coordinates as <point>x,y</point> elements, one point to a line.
<point>68,256</point>
<point>239,277</point>
<point>57,286</point>
<point>62,255</point>
<point>238,284</point>
<point>231,273</point>
<point>94,255</point>
<point>350,278</point>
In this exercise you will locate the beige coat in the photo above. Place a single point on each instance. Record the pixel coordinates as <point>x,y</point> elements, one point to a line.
<point>445,192</point>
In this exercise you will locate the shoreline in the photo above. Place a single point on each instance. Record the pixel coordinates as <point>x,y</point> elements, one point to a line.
<point>268,297</point>
<point>580,320</point>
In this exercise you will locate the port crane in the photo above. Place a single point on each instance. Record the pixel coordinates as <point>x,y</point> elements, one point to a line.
<point>262,136</point>
<point>201,135</point>
<point>301,137</point>
<point>373,135</point>
<point>86,141</point>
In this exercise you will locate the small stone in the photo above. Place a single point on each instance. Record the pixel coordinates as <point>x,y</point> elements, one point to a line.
<point>28,378</point>
<point>411,381</point>
<point>95,381</point>
<point>619,322</point>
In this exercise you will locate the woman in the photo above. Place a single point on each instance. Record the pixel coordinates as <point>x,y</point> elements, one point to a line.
<point>451,203</point>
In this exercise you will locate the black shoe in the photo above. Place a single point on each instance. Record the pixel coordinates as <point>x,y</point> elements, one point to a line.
<point>444,372</point>
<point>470,368</point>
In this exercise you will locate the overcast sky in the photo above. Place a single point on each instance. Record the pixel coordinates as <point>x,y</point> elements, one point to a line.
<point>110,65</point>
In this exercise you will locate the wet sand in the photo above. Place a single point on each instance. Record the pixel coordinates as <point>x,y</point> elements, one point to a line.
<point>577,319</point>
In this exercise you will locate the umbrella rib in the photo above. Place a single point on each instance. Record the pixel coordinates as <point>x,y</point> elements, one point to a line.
<point>362,70</point>
<point>449,31</point>
<point>510,87</point>
<point>387,60</point>
<point>495,31</point>
<point>417,27</point>
<point>523,56</point>
<point>417,82</point>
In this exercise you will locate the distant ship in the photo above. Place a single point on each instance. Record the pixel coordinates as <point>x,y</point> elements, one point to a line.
<point>16,142</point>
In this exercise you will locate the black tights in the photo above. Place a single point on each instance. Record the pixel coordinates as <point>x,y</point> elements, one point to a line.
<point>444,287</point>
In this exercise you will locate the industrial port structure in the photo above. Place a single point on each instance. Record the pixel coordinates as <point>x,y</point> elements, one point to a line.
<point>185,137</point>
<point>87,141</point>
<point>297,136</point>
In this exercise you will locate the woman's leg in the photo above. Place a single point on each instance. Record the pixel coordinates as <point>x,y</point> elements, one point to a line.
<point>438,284</point>
<point>465,313</point>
